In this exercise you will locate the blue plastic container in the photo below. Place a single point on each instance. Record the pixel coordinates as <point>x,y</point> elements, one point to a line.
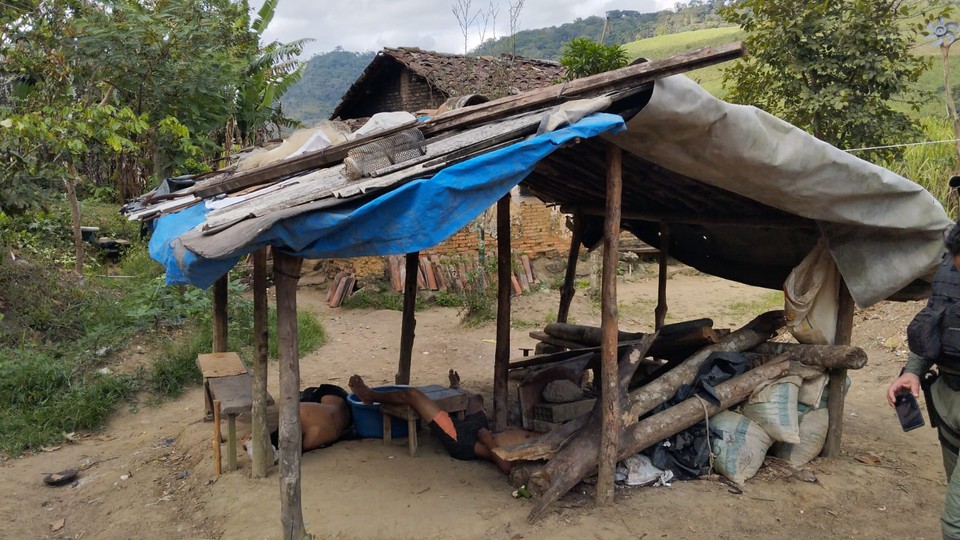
<point>368,421</point>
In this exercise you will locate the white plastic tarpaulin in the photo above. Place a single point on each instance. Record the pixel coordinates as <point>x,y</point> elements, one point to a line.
<point>882,230</point>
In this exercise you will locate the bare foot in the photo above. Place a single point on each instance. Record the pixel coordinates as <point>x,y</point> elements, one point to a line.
<point>454,379</point>
<point>361,389</point>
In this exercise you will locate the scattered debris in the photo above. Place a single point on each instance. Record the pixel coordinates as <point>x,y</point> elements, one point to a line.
<point>58,524</point>
<point>868,459</point>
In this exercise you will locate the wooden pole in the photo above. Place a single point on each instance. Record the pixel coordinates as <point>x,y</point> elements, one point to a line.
<point>408,325</point>
<point>568,290</point>
<point>501,363</point>
<point>220,314</point>
<point>660,314</point>
<point>610,395</point>
<point>286,273</point>
<point>217,463</point>
<point>838,377</point>
<point>258,414</point>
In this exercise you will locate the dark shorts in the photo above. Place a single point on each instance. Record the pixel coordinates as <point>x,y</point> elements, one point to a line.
<point>466,430</point>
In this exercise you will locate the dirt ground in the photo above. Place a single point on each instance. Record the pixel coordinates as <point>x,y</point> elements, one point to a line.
<point>150,471</point>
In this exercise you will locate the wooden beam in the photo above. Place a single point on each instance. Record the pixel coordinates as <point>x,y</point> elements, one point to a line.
<point>660,313</point>
<point>262,456</point>
<point>568,289</point>
<point>838,377</point>
<point>501,363</point>
<point>286,274</point>
<point>785,221</point>
<point>220,314</point>
<point>610,389</point>
<point>408,325</point>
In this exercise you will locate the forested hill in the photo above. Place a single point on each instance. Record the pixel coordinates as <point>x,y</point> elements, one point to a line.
<point>325,79</point>
<point>622,27</point>
<point>327,76</point>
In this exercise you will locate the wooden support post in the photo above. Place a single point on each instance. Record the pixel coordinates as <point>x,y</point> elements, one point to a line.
<point>220,314</point>
<point>660,314</point>
<point>408,326</point>
<point>501,362</point>
<point>231,442</point>
<point>286,273</point>
<point>217,467</point>
<point>610,394</point>
<point>838,377</point>
<point>568,290</point>
<point>258,413</point>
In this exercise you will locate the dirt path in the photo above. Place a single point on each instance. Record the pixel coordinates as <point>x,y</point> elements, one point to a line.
<point>151,472</point>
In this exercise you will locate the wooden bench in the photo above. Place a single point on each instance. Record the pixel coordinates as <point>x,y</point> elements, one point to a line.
<point>451,400</point>
<point>228,382</point>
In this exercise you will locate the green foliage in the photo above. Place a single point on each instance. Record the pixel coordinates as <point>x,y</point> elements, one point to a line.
<point>41,398</point>
<point>268,76</point>
<point>584,57</point>
<point>831,68</point>
<point>366,298</point>
<point>931,165</point>
<point>448,299</point>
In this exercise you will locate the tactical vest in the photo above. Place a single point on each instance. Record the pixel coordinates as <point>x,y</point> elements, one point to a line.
<point>945,293</point>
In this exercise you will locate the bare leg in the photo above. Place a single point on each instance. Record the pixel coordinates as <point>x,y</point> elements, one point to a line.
<point>484,450</point>
<point>426,408</point>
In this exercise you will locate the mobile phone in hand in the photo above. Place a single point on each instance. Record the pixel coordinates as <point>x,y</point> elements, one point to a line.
<point>908,410</point>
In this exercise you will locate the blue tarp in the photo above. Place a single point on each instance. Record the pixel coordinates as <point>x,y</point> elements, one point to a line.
<point>413,217</point>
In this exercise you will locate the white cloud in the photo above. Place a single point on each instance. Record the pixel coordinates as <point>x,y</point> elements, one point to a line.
<point>369,25</point>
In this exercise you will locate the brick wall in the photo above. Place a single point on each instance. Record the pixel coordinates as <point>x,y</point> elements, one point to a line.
<point>536,230</point>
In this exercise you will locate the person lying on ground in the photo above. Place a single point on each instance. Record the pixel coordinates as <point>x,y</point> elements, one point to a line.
<point>325,418</point>
<point>466,439</point>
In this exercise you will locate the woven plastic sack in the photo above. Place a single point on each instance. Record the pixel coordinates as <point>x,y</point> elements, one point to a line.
<point>810,295</point>
<point>740,449</point>
<point>774,408</point>
<point>813,433</point>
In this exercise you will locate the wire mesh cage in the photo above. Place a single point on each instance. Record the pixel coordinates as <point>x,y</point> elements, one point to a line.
<point>375,156</point>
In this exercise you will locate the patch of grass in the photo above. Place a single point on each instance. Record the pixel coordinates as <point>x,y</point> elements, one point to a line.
<point>770,301</point>
<point>448,299</point>
<point>368,299</point>
<point>41,398</point>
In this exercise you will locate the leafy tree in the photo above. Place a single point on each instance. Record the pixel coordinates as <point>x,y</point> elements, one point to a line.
<point>583,57</point>
<point>833,68</point>
<point>269,75</point>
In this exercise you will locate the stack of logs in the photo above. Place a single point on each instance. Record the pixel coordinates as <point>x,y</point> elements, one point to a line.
<point>572,449</point>
<point>438,273</point>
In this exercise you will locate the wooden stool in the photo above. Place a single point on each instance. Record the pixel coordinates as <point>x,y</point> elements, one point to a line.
<point>450,400</point>
<point>227,380</point>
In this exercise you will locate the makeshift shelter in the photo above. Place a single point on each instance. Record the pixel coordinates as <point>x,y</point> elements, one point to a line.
<point>727,189</point>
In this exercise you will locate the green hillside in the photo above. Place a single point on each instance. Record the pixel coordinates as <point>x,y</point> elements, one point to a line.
<point>664,46</point>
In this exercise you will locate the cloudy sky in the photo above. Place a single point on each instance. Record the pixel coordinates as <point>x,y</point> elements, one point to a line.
<point>369,25</point>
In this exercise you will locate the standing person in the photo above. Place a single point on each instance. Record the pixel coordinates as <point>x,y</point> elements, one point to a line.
<point>465,439</point>
<point>934,339</point>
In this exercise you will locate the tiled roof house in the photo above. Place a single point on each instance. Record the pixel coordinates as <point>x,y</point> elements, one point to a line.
<point>410,79</point>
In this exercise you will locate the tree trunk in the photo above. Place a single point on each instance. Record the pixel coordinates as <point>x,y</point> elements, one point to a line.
<point>71,185</point>
<point>611,393</point>
<point>501,360</point>
<point>408,324</point>
<point>286,272</point>
<point>262,454</point>
<point>825,356</point>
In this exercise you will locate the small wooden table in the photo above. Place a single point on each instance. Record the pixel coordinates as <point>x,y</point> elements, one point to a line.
<point>451,400</point>
<point>227,380</point>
